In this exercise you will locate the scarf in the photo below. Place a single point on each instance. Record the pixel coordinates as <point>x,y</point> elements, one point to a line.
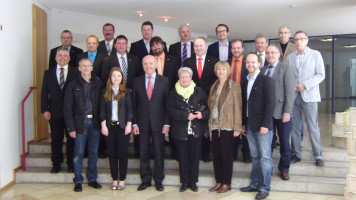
<point>185,92</point>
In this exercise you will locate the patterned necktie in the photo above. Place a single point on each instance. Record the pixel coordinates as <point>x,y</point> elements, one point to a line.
<point>260,60</point>
<point>235,71</point>
<point>184,56</point>
<point>61,79</point>
<point>124,67</point>
<point>108,49</point>
<point>200,67</point>
<point>149,88</point>
<point>269,70</point>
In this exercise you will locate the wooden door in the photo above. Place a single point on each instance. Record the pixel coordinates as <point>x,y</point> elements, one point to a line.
<point>39,65</point>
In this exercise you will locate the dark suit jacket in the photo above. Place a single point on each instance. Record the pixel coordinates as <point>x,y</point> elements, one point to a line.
<point>134,68</point>
<point>171,67</point>
<point>213,50</point>
<point>102,48</point>
<point>150,113</point>
<point>175,50</point>
<point>208,77</point>
<point>260,103</point>
<point>244,71</point>
<point>74,52</point>
<point>51,95</point>
<point>139,49</point>
<point>98,62</point>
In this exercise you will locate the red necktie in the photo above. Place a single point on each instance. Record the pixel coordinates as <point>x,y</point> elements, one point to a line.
<point>200,67</point>
<point>149,88</point>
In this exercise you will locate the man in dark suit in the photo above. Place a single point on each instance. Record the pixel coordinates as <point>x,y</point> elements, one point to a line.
<point>54,83</point>
<point>167,65</point>
<point>107,46</point>
<point>283,78</point>
<point>93,54</point>
<point>150,92</point>
<point>122,59</point>
<point>184,48</point>
<point>239,74</point>
<point>66,39</point>
<point>257,109</point>
<point>221,48</point>
<point>261,43</point>
<point>141,48</point>
<point>202,66</point>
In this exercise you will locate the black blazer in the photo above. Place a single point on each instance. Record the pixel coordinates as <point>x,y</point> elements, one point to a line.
<point>51,95</point>
<point>171,67</point>
<point>138,49</point>
<point>102,48</point>
<point>260,103</point>
<point>73,107</point>
<point>124,109</point>
<point>244,71</point>
<point>213,50</point>
<point>175,50</point>
<point>134,68</point>
<point>98,62</point>
<point>74,52</point>
<point>208,77</point>
<point>179,111</point>
<point>150,113</point>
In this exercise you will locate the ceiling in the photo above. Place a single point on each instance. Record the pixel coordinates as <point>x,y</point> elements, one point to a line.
<point>245,18</point>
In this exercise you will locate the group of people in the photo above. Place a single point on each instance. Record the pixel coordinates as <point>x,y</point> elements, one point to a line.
<point>201,95</point>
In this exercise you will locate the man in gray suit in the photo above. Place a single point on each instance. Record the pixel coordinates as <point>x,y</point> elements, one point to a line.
<point>285,47</point>
<point>309,71</point>
<point>283,78</point>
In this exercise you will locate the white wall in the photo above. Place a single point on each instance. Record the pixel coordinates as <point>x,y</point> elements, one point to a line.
<point>81,25</point>
<point>16,67</point>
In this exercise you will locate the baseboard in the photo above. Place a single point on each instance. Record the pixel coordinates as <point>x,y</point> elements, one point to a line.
<point>13,181</point>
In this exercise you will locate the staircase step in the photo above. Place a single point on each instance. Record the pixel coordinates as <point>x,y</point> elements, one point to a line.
<point>305,184</point>
<point>306,168</point>
<point>329,153</point>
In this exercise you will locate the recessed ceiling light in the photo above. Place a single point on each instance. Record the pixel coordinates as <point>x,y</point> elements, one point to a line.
<point>140,13</point>
<point>326,40</point>
<point>349,46</point>
<point>187,23</point>
<point>166,20</point>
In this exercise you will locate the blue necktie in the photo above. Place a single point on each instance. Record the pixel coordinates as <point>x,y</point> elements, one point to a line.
<point>269,70</point>
<point>184,56</point>
<point>91,57</point>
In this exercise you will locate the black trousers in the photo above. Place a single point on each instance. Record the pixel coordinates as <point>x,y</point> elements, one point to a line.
<point>102,145</point>
<point>205,148</point>
<point>189,154</point>
<point>158,153</point>
<point>245,149</point>
<point>222,155</point>
<point>117,144</point>
<point>58,130</point>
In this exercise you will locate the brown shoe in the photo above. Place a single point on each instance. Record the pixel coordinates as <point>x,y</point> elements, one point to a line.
<point>215,188</point>
<point>284,176</point>
<point>224,188</point>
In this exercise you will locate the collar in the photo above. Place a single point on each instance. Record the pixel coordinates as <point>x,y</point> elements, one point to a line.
<point>162,56</point>
<point>254,76</point>
<point>65,67</point>
<point>201,57</point>
<point>188,43</point>
<point>239,59</point>
<point>152,76</point>
<point>226,44</point>
<point>304,52</point>
<point>109,41</point>
<point>119,55</point>
<point>263,53</point>
<point>274,64</point>
<point>117,89</point>
<point>94,53</point>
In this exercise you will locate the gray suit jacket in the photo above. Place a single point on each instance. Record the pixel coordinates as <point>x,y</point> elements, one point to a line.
<point>284,92</point>
<point>289,49</point>
<point>311,73</point>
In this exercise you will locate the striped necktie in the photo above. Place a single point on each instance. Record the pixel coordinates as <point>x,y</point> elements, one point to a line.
<point>61,78</point>
<point>124,67</point>
<point>108,48</point>
<point>269,70</point>
<point>184,56</point>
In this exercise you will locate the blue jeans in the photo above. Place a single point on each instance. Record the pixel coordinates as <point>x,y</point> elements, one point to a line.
<point>262,165</point>
<point>93,136</point>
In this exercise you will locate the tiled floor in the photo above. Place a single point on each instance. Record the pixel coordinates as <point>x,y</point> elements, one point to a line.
<point>65,192</point>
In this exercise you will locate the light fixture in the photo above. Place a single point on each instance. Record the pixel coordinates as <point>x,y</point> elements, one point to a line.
<point>140,13</point>
<point>349,46</point>
<point>326,40</point>
<point>166,20</point>
<point>293,6</point>
<point>187,23</point>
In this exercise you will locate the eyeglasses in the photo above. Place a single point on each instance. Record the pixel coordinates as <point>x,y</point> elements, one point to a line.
<point>285,33</point>
<point>299,39</point>
<point>218,32</point>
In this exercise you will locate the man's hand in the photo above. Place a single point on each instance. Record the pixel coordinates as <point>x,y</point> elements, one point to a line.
<point>263,130</point>
<point>47,115</point>
<point>285,118</point>
<point>165,129</point>
<point>136,130</point>
<point>73,134</point>
<point>198,115</point>
<point>236,133</point>
<point>300,87</point>
<point>191,116</point>
<point>128,129</point>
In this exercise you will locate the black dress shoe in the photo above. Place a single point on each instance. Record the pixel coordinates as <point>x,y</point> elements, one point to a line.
<point>95,185</point>
<point>261,195</point>
<point>194,187</point>
<point>183,188</point>
<point>319,162</point>
<point>248,189</point>
<point>70,169</point>
<point>56,169</point>
<point>102,155</point>
<point>207,159</point>
<point>159,187</point>
<point>78,187</point>
<point>143,186</point>
<point>295,159</point>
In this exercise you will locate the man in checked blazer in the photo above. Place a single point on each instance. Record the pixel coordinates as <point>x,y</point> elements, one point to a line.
<point>284,94</point>
<point>52,96</point>
<point>205,80</point>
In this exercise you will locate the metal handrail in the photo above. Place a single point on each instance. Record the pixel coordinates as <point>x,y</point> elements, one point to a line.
<point>23,128</point>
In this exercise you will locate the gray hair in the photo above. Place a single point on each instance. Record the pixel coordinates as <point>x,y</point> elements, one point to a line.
<point>185,70</point>
<point>284,26</point>
<point>261,35</point>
